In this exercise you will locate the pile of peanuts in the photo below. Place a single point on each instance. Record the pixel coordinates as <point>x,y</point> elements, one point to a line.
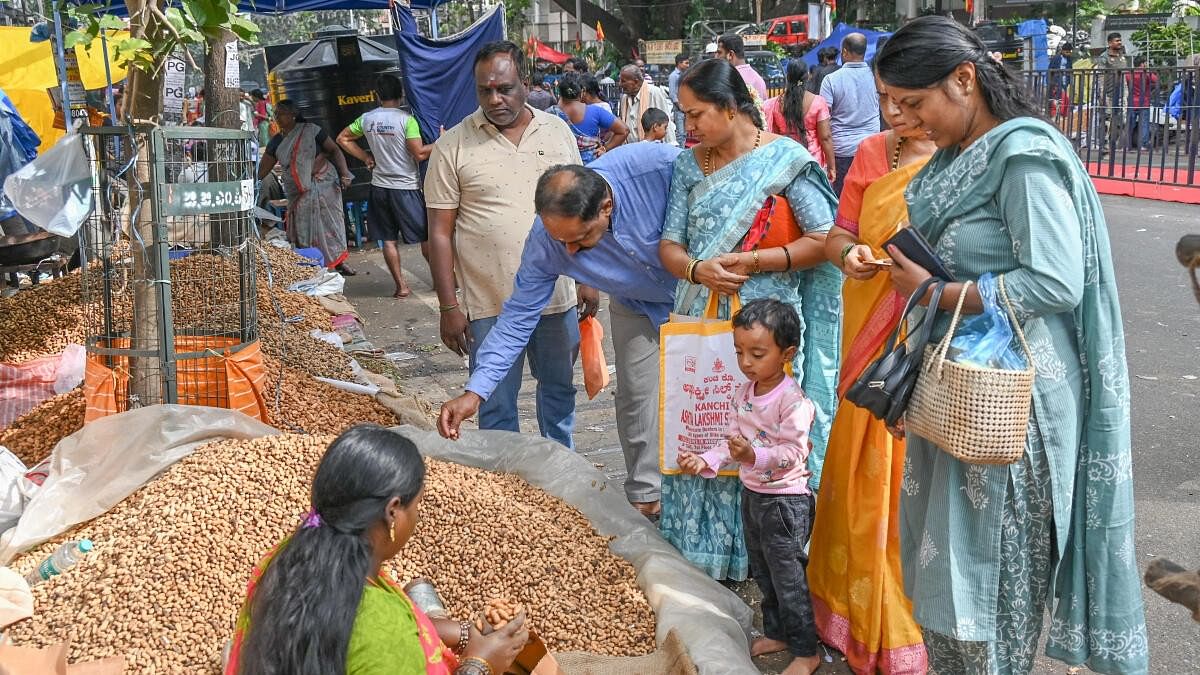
<point>487,535</point>
<point>33,435</point>
<point>312,407</point>
<point>167,577</point>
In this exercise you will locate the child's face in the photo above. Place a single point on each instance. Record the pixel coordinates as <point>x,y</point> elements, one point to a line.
<point>759,357</point>
<point>657,132</point>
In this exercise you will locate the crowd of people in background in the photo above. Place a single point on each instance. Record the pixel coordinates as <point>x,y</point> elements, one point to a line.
<point>545,197</point>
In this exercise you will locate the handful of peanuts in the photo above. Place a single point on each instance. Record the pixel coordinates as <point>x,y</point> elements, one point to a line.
<point>498,613</point>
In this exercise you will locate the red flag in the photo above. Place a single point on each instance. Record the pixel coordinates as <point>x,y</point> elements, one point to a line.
<point>970,7</point>
<point>599,32</point>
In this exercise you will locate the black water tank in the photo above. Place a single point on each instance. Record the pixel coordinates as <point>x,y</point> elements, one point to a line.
<point>332,81</point>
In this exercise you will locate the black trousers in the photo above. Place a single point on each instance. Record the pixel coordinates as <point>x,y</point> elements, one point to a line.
<point>843,168</point>
<point>777,528</point>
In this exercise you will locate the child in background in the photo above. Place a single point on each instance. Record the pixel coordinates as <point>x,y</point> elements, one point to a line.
<point>768,439</point>
<point>654,125</point>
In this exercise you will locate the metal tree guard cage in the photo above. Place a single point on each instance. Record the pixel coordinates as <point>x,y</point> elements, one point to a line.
<point>168,278</point>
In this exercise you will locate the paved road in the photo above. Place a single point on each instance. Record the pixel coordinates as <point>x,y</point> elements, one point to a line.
<point>1162,324</point>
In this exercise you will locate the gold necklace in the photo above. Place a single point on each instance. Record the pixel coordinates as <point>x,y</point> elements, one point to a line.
<point>896,154</point>
<point>708,154</point>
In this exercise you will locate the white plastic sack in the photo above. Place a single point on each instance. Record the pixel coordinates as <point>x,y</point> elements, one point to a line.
<point>95,468</point>
<point>12,501</point>
<point>54,191</point>
<point>70,369</point>
<point>325,283</point>
<point>710,619</point>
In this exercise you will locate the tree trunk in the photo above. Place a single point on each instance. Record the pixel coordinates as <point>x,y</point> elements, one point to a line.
<point>144,102</point>
<point>221,111</point>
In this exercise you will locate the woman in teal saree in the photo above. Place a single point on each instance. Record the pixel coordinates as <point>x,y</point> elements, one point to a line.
<point>717,190</point>
<point>987,550</point>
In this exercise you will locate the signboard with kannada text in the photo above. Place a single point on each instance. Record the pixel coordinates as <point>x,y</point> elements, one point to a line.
<point>661,51</point>
<point>756,40</point>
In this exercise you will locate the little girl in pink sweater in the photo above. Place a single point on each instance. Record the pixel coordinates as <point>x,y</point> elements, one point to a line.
<point>768,439</point>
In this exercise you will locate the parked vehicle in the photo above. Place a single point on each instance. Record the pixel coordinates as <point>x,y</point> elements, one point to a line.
<point>767,64</point>
<point>788,30</point>
<point>1003,39</point>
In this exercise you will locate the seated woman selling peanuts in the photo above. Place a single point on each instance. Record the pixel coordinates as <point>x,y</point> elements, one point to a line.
<point>320,604</point>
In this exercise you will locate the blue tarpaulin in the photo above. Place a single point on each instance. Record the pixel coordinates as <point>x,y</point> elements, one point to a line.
<point>439,77</point>
<point>1035,30</point>
<point>840,31</point>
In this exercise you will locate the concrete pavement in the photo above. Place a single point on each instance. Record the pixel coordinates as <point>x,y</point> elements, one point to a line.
<point>1162,324</point>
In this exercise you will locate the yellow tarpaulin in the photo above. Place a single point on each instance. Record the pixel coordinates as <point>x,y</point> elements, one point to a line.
<point>27,71</point>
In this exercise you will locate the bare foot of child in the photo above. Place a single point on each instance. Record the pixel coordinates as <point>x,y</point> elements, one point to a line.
<point>803,665</point>
<point>765,645</point>
<point>402,291</point>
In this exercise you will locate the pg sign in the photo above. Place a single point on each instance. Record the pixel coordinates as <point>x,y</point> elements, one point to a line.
<point>174,72</point>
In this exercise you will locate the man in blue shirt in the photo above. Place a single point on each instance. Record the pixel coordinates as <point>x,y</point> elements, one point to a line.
<point>853,104</point>
<point>682,63</point>
<point>600,225</point>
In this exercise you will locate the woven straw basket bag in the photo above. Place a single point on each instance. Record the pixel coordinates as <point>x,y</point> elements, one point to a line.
<point>978,415</point>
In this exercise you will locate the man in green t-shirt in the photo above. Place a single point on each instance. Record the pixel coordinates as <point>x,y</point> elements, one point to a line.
<point>397,205</point>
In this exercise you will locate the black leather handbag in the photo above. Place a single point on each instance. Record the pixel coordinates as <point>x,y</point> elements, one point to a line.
<point>884,387</point>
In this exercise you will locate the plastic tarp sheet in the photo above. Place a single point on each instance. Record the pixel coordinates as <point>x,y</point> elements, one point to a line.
<point>92,470</point>
<point>439,76</point>
<point>1036,31</point>
<point>95,468</point>
<point>712,621</point>
<point>834,40</point>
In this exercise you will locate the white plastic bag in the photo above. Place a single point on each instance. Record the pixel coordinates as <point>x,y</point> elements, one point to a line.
<point>54,191</point>
<point>325,283</point>
<point>12,501</point>
<point>95,468</point>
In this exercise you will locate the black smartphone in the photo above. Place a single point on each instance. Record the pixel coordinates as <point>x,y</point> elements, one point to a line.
<point>917,249</point>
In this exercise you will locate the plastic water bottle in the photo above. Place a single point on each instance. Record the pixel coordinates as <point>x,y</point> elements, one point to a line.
<point>63,557</point>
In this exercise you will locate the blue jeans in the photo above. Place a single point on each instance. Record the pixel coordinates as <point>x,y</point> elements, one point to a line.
<point>680,134</point>
<point>552,350</point>
<point>1139,119</point>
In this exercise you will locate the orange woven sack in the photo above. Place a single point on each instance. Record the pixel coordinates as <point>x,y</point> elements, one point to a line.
<point>222,379</point>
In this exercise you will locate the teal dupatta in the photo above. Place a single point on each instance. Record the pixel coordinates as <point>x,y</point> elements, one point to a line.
<point>718,212</point>
<point>1097,615</point>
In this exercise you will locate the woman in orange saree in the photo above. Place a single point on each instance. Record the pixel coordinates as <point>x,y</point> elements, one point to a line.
<point>854,572</point>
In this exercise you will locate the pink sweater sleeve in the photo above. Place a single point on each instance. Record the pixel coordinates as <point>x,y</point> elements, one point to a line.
<point>719,455</point>
<point>796,413</point>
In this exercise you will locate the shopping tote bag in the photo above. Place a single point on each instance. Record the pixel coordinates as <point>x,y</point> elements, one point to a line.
<point>698,374</point>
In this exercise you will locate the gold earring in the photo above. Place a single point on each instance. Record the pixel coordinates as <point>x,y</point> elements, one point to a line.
<point>731,115</point>
<point>392,531</point>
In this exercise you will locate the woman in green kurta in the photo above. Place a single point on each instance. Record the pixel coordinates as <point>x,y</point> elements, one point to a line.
<point>322,604</point>
<point>986,549</point>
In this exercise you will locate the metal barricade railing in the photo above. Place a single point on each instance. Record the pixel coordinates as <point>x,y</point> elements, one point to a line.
<point>1133,124</point>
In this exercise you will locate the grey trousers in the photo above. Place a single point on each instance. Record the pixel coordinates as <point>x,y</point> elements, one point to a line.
<point>635,344</point>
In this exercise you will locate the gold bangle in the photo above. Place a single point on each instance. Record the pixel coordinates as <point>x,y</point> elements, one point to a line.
<point>690,273</point>
<point>447,308</point>
<point>754,267</point>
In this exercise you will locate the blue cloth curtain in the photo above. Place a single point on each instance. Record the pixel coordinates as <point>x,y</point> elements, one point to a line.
<point>840,31</point>
<point>439,78</point>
